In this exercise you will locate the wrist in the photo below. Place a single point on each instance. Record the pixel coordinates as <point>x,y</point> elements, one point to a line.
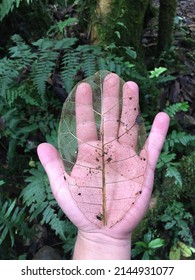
<point>97,246</point>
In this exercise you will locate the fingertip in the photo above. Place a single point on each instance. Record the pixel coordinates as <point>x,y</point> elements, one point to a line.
<point>46,153</point>
<point>163,117</point>
<point>162,121</point>
<point>83,86</point>
<point>133,86</point>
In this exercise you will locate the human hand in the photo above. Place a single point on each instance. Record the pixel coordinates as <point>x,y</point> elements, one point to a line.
<point>109,189</point>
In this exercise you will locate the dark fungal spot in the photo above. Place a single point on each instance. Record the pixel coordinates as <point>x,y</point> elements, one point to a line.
<point>79,193</point>
<point>99,217</point>
<point>64,178</point>
<point>139,192</point>
<point>109,159</point>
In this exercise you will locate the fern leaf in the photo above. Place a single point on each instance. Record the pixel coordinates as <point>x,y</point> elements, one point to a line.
<point>3,234</point>
<point>9,210</point>
<point>39,208</point>
<point>22,52</point>
<point>175,108</point>
<point>165,158</point>
<point>11,216</point>
<point>69,69</point>
<point>8,74</point>
<point>58,226</point>
<point>178,138</point>
<point>34,192</point>
<point>173,172</point>
<point>41,70</point>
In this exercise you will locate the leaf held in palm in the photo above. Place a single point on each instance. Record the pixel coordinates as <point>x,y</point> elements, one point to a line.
<point>101,143</point>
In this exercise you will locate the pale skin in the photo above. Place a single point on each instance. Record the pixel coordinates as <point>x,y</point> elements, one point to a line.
<point>95,242</point>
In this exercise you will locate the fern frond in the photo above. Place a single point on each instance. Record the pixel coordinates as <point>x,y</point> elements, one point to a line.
<point>50,217</point>
<point>49,52</point>
<point>165,158</point>
<point>89,55</point>
<point>22,52</point>
<point>8,74</point>
<point>42,68</point>
<point>70,66</point>
<point>178,138</point>
<point>34,193</point>
<point>38,197</point>
<point>11,216</point>
<point>173,172</point>
<point>22,92</point>
<point>177,107</point>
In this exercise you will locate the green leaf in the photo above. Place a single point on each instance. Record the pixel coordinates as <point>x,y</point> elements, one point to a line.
<point>169,225</point>
<point>173,172</point>
<point>175,253</point>
<point>3,234</point>
<point>156,243</point>
<point>175,108</point>
<point>141,244</point>
<point>165,158</point>
<point>9,210</point>
<point>131,53</point>
<point>68,22</point>
<point>2,182</point>
<point>192,249</point>
<point>157,72</point>
<point>118,34</point>
<point>185,249</point>
<point>146,256</point>
<point>148,237</point>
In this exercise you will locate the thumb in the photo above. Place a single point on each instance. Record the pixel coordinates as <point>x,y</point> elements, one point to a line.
<point>51,161</point>
<point>54,167</point>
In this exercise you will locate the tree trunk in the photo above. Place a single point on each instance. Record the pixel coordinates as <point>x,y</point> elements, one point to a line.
<point>166,21</point>
<point>119,21</point>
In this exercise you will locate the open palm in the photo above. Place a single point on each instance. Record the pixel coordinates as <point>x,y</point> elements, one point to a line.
<point>110,185</point>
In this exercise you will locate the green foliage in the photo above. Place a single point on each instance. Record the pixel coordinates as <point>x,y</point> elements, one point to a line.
<point>38,197</point>
<point>157,72</point>
<point>174,143</point>
<point>177,107</point>
<point>35,64</point>
<point>11,219</point>
<point>176,219</point>
<point>180,250</point>
<point>8,5</point>
<point>148,248</point>
<point>187,169</point>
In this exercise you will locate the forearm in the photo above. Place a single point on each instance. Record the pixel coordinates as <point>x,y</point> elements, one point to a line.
<point>88,247</point>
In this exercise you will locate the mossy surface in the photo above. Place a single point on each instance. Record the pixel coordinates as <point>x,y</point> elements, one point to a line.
<point>123,24</point>
<point>166,18</point>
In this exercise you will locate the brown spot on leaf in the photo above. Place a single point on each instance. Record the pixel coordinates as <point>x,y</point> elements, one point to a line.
<point>99,217</point>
